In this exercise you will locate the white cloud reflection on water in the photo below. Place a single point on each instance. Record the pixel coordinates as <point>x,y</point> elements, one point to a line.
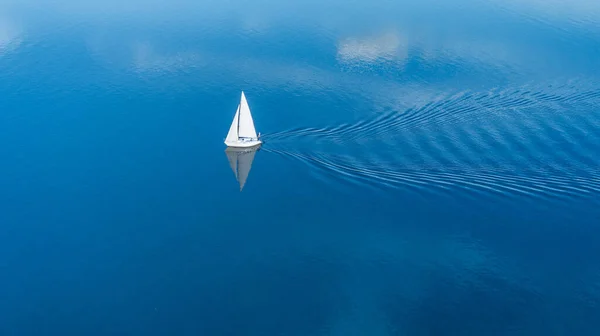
<point>147,59</point>
<point>389,46</point>
<point>10,36</point>
<point>395,32</point>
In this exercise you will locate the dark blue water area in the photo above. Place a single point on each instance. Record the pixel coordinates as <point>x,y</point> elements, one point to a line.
<point>428,168</point>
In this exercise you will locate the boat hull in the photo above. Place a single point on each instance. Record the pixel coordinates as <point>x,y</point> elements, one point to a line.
<point>243,144</point>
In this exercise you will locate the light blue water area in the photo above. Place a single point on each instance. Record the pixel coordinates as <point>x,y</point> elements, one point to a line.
<point>428,168</point>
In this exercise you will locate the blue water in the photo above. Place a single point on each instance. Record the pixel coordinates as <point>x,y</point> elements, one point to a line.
<point>428,168</point>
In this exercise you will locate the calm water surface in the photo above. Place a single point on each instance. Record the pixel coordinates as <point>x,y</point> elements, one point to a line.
<point>429,168</point>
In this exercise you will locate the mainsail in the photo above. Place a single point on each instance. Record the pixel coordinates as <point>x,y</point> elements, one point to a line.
<point>246,124</point>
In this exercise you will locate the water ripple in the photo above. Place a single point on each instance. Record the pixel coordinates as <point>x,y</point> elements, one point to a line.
<point>538,143</point>
<point>455,107</point>
<point>534,186</point>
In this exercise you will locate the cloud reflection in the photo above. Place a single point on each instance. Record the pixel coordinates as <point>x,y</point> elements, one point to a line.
<point>385,47</point>
<point>146,59</point>
<point>10,36</point>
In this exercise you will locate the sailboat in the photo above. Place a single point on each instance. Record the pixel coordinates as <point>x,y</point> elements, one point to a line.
<point>240,161</point>
<point>242,133</point>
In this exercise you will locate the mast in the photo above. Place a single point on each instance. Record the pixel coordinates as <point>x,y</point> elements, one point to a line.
<point>240,107</point>
<point>238,125</point>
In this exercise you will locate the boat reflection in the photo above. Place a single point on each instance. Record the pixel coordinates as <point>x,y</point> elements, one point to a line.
<point>240,160</point>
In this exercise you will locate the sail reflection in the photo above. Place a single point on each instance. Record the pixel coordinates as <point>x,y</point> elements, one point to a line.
<point>240,160</point>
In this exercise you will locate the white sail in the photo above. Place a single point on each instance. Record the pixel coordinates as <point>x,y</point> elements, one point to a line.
<point>246,129</point>
<point>233,135</point>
